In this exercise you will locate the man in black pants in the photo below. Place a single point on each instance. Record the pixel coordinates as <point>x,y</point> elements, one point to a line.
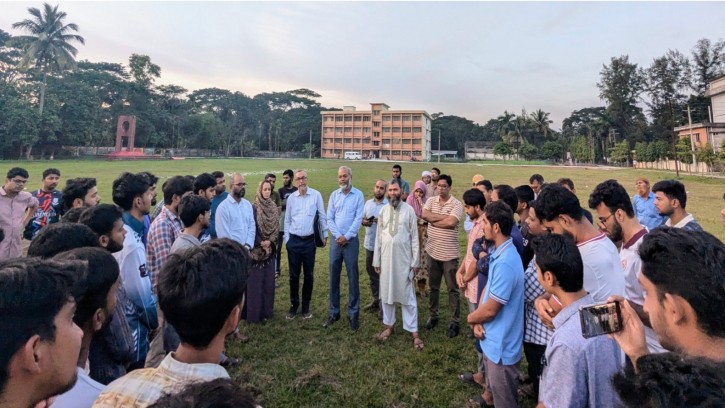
<point>284,192</point>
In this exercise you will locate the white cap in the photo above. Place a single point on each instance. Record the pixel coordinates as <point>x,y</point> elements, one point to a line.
<point>426,173</point>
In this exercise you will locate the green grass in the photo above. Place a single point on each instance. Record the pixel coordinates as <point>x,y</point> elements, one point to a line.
<point>299,363</point>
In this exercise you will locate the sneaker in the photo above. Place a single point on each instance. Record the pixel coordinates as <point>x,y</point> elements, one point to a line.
<point>307,315</point>
<point>291,315</point>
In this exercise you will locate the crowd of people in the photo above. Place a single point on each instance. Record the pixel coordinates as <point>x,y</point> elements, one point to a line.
<point>129,304</point>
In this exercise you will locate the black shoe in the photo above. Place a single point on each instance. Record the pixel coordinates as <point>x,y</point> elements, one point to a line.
<point>330,320</point>
<point>354,323</point>
<point>431,323</point>
<point>453,330</point>
<point>380,314</point>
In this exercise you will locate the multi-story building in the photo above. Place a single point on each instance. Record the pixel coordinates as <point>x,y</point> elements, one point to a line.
<point>380,133</point>
<point>712,131</point>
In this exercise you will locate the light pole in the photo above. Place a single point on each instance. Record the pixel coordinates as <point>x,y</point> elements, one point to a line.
<point>439,145</point>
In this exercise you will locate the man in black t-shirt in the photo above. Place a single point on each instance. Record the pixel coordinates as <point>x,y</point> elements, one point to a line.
<point>284,192</point>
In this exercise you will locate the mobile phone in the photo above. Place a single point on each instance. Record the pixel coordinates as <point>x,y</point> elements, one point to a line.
<point>601,318</point>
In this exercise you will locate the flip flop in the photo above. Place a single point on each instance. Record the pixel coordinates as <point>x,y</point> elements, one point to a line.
<point>479,401</point>
<point>418,343</point>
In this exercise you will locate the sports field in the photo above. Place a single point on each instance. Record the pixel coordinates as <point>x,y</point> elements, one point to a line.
<point>298,363</point>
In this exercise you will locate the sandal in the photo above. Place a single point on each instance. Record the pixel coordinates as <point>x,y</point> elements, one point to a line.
<point>418,343</point>
<point>484,400</point>
<point>470,378</point>
<point>383,337</point>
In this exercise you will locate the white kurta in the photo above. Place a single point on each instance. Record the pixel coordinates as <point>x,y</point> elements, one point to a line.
<point>396,252</point>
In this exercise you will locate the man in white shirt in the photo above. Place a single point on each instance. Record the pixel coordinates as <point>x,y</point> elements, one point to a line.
<point>235,217</point>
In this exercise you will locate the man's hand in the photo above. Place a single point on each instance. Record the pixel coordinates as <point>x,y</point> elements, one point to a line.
<point>341,240</point>
<point>478,331</point>
<point>324,242</point>
<point>631,338</point>
<point>546,312</point>
<point>460,281</point>
<point>377,270</point>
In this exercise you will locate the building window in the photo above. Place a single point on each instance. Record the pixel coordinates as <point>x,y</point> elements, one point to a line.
<point>376,134</point>
<point>417,129</point>
<point>376,124</point>
<point>416,118</point>
<point>358,118</point>
<point>396,130</point>
<point>376,143</point>
<point>338,118</point>
<point>338,129</point>
<point>406,118</point>
<point>366,118</point>
<point>348,118</point>
<point>348,140</point>
<point>396,118</point>
<point>338,140</point>
<point>376,113</point>
<point>386,130</point>
<point>406,130</point>
<point>406,141</point>
<point>416,141</point>
<point>387,118</point>
<point>697,137</point>
<point>366,130</point>
<point>386,141</point>
<point>348,129</point>
<point>328,130</point>
<point>396,152</point>
<point>356,140</point>
<point>328,118</point>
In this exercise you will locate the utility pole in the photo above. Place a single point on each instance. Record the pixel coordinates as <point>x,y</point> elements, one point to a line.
<point>692,140</point>
<point>439,145</point>
<point>310,144</point>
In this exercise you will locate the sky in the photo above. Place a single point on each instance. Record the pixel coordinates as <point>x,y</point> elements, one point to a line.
<point>470,59</point>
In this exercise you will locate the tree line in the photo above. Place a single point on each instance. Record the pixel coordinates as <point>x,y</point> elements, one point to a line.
<point>49,100</point>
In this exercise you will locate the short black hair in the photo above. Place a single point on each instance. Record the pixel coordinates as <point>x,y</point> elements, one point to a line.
<point>101,218</point>
<point>474,197</point>
<point>498,212</point>
<point>2,235</point>
<point>48,172</point>
<point>613,195</point>
<point>289,173</point>
<point>558,254</point>
<point>397,166</point>
<point>485,183</point>
<point>76,188</point>
<point>566,181</point>
<point>191,207</point>
<point>218,174</point>
<point>436,169</point>
<point>73,215</point>
<point>672,189</point>
<point>507,194</point>
<point>447,178</point>
<point>151,177</point>
<point>268,175</point>
<point>204,181</point>
<point>217,393</point>
<point>555,200</point>
<point>666,252</point>
<point>524,193</point>
<point>128,186</point>
<point>91,289</point>
<point>177,185</point>
<point>671,380</point>
<point>60,237</point>
<point>32,293</point>
<point>536,177</point>
<point>199,289</point>
<point>18,171</point>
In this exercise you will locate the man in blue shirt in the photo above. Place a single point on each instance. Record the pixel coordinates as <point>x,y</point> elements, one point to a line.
<point>577,370</point>
<point>370,222</point>
<point>344,215</point>
<point>404,186</point>
<point>644,205</point>
<point>499,319</point>
<point>299,219</point>
<point>220,191</point>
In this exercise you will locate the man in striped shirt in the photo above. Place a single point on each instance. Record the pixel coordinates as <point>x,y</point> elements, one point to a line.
<point>443,213</point>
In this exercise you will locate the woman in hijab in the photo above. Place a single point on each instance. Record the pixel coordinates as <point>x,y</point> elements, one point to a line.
<point>417,201</point>
<point>260,284</point>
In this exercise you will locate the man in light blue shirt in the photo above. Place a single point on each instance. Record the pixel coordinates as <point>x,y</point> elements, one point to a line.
<point>644,206</point>
<point>370,222</point>
<point>235,217</point>
<point>299,219</point>
<point>577,370</point>
<point>344,215</point>
<point>500,313</point>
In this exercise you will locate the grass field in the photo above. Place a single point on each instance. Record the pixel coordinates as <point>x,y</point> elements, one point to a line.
<point>300,364</point>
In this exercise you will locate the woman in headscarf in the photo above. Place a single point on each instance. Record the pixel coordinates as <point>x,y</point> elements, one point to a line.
<point>417,201</point>
<point>260,283</point>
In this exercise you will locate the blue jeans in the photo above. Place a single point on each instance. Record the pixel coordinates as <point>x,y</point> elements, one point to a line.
<point>348,253</point>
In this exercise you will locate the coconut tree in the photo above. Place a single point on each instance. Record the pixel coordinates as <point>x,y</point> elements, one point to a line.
<point>541,122</point>
<point>48,47</point>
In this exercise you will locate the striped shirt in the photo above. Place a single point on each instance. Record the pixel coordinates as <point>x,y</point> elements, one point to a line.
<point>442,244</point>
<point>162,234</point>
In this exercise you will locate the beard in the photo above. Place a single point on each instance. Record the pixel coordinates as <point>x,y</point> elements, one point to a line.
<point>616,234</point>
<point>395,201</point>
<point>666,213</point>
<point>568,235</point>
<point>379,196</point>
<point>113,246</point>
<point>344,186</point>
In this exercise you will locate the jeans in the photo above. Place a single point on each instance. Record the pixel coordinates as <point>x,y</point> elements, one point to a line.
<point>348,253</point>
<point>438,270</point>
<point>301,257</point>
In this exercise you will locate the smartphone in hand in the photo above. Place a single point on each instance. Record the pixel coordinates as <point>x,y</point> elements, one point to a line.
<point>601,318</point>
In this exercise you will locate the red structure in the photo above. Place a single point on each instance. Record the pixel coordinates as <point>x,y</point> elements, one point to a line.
<point>125,140</point>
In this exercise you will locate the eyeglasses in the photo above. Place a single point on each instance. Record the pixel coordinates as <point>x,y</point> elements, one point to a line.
<point>16,181</point>
<point>603,220</point>
<point>300,178</point>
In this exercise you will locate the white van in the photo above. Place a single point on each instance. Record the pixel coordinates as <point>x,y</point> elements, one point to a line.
<point>353,156</point>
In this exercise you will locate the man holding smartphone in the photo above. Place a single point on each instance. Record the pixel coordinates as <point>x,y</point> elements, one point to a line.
<point>370,222</point>
<point>577,370</point>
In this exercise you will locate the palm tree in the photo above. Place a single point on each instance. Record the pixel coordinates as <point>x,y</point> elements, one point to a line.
<point>541,122</point>
<point>48,47</point>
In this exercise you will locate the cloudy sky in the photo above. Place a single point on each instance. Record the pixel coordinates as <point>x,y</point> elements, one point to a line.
<point>472,59</point>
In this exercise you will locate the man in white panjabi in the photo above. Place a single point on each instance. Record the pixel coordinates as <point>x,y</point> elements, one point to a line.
<point>396,259</point>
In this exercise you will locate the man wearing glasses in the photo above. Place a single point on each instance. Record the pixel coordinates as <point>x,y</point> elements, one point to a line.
<point>17,207</point>
<point>302,206</point>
